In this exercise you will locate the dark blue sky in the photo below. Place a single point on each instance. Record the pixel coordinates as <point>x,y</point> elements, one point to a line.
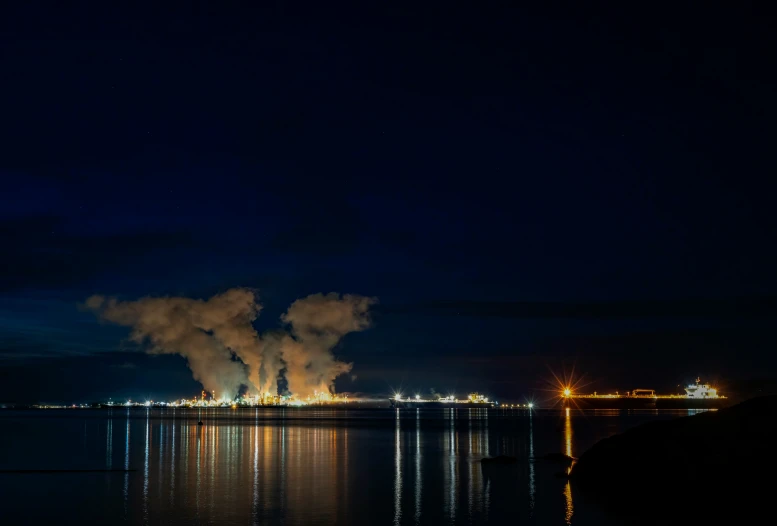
<point>450,162</point>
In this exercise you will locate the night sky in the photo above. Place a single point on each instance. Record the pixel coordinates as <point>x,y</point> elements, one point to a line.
<point>521,190</point>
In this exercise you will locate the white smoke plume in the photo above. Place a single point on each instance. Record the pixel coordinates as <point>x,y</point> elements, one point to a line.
<point>317,323</point>
<point>224,351</point>
<point>272,361</point>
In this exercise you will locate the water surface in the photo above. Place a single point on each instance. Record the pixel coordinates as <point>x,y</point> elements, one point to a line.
<point>299,466</point>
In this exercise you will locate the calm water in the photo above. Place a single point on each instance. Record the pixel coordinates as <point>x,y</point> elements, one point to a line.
<point>298,466</point>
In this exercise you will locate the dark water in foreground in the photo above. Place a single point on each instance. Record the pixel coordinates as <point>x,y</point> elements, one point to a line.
<point>299,466</point>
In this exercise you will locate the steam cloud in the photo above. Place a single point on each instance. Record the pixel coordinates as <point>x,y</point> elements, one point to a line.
<point>224,351</point>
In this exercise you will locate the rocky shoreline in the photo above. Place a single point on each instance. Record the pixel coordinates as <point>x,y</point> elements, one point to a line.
<point>711,468</point>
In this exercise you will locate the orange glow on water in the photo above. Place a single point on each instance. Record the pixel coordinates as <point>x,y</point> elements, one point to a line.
<point>569,508</point>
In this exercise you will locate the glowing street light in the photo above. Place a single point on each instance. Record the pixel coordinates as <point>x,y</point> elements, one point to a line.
<point>567,392</point>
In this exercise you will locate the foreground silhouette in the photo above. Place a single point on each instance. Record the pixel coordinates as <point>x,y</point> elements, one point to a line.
<point>714,467</point>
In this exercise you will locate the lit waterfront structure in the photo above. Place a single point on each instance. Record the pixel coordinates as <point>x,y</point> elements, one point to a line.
<point>473,400</point>
<point>256,400</point>
<point>701,390</point>
<point>698,396</point>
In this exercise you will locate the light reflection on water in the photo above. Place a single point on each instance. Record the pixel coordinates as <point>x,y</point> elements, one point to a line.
<point>255,496</point>
<point>109,445</point>
<point>397,472</point>
<point>569,508</point>
<point>294,467</point>
<point>532,487</point>
<point>172,460</point>
<point>452,466</point>
<point>145,469</point>
<point>126,464</point>
<point>418,487</point>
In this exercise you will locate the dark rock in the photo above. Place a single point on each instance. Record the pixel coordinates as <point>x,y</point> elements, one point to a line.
<point>501,459</point>
<point>560,458</point>
<point>701,468</point>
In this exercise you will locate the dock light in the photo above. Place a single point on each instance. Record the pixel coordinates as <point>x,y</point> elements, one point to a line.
<point>567,392</point>
<point>531,405</point>
<point>417,397</point>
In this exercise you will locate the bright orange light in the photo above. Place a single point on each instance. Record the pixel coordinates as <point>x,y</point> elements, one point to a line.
<point>567,392</point>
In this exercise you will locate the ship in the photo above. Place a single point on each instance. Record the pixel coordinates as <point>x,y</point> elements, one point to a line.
<point>473,401</point>
<point>697,396</point>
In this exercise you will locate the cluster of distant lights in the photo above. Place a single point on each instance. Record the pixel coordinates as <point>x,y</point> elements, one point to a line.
<point>710,393</point>
<point>290,401</point>
<point>243,401</point>
<point>317,398</point>
<point>473,398</point>
<point>450,398</point>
